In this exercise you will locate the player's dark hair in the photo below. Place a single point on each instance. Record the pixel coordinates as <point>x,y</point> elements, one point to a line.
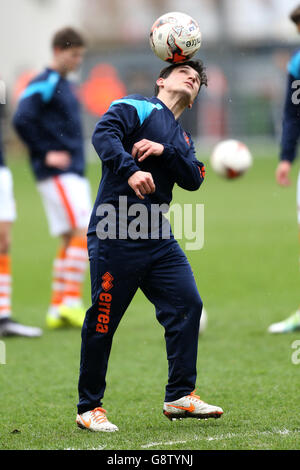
<point>295,15</point>
<point>66,38</point>
<point>195,64</point>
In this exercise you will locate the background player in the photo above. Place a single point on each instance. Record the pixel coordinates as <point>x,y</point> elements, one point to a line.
<point>289,142</point>
<point>144,152</point>
<point>8,326</point>
<point>48,120</point>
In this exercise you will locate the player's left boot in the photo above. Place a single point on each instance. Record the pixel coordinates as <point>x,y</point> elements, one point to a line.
<point>292,323</point>
<point>9,327</point>
<point>190,406</point>
<point>73,316</point>
<point>54,322</point>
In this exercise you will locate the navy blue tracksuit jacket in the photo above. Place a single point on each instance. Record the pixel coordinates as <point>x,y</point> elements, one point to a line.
<point>157,266</point>
<point>291,115</point>
<point>48,118</point>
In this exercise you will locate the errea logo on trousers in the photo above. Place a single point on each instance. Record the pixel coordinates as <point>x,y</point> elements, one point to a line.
<point>104,304</point>
<point>107,281</point>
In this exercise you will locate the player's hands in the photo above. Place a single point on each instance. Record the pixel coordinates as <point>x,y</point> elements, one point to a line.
<point>282,173</point>
<point>144,148</point>
<point>58,159</point>
<point>142,183</point>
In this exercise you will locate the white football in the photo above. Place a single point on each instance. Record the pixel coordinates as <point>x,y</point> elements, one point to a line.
<point>175,37</point>
<point>231,158</point>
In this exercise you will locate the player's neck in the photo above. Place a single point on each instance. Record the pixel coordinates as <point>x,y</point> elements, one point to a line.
<point>176,103</point>
<point>58,68</point>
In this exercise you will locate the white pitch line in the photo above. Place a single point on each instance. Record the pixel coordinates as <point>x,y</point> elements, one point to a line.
<point>170,443</point>
<point>282,432</point>
<point>90,448</point>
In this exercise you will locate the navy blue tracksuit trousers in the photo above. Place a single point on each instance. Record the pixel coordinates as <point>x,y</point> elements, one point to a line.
<point>161,270</point>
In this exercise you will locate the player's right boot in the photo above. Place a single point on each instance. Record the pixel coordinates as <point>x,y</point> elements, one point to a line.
<point>190,406</point>
<point>95,420</point>
<point>290,324</point>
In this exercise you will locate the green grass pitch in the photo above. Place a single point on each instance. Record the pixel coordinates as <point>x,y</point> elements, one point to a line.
<point>248,277</point>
